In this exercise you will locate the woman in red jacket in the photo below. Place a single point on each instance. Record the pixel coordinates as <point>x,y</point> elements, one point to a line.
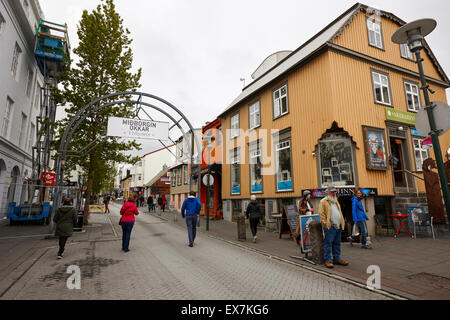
<point>128,211</point>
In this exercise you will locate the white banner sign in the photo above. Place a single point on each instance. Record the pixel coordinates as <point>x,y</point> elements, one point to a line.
<point>137,129</point>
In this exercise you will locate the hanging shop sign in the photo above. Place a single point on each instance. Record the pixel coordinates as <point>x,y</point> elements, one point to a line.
<point>415,132</point>
<point>400,116</point>
<point>137,129</point>
<point>49,179</point>
<point>342,192</point>
<point>375,148</point>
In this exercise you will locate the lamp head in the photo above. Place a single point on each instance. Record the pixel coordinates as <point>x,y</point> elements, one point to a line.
<point>413,33</point>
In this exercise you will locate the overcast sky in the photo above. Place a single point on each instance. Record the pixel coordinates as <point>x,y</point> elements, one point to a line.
<point>194,52</point>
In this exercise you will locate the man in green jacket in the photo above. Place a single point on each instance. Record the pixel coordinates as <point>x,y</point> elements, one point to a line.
<point>65,219</point>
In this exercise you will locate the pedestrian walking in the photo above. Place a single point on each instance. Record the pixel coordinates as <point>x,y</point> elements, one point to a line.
<point>142,200</point>
<point>305,207</point>
<point>191,209</point>
<point>65,219</point>
<point>333,223</point>
<point>254,214</point>
<point>160,202</point>
<point>359,218</point>
<point>150,203</point>
<point>106,203</point>
<point>128,211</point>
<point>163,202</point>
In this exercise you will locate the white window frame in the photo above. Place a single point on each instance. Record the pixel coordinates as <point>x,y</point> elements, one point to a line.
<point>255,152</point>
<point>405,52</point>
<point>235,159</point>
<point>186,175</point>
<point>179,177</point>
<point>377,33</point>
<point>31,136</point>
<point>420,149</point>
<point>254,115</point>
<point>277,101</point>
<point>7,117</point>
<point>139,176</point>
<point>285,144</point>
<point>234,125</point>
<point>29,82</point>
<point>23,130</point>
<point>412,94</point>
<point>15,61</point>
<point>381,85</point>
<point>37,94</point>
<point>140,164</point>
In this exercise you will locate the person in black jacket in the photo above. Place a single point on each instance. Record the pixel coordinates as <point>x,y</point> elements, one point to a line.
<point>150,203</point>
<point>254,214</point>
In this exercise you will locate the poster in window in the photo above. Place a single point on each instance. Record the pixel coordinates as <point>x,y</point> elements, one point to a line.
<point>375,146</point>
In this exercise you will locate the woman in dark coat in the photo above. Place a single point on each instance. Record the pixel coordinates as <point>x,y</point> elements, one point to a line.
<point>65,219</point>
<point>254,214</point>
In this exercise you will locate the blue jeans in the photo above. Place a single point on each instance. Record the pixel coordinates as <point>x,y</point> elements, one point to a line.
<point>191,222</point>
<point>362,231</point>
<point>332,242</point>
<point>126,234</point>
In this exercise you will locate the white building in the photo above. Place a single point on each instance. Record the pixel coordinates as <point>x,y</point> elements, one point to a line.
<point>20,86</point>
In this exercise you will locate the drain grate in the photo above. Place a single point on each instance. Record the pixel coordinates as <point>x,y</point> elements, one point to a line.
<point>432,279</point>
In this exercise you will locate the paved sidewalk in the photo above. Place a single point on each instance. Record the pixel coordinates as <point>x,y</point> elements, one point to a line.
<point>412,268</point>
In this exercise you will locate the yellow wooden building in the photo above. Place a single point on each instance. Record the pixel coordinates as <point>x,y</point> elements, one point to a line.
<point>343,105</point>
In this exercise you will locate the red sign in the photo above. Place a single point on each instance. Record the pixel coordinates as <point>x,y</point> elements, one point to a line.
<point>50,178</point>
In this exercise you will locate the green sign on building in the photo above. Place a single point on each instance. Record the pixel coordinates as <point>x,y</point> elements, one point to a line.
<point>400,116</point>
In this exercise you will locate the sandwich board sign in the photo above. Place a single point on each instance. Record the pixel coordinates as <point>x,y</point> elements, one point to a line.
<point>137,129</point>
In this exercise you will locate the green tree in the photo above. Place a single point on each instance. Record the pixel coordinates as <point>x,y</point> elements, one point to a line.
<point>104,67</point>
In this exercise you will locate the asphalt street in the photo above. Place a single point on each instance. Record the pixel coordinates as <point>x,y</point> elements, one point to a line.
<point>159,265</point>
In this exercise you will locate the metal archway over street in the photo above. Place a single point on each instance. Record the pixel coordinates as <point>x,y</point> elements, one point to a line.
<point>175,116</point>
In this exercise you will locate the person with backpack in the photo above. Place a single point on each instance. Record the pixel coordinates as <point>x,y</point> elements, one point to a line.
<point>190,210</point>
<point>128,211</point>
<point>163,202</point>
<point>65,219</point>
<point>254,214</point>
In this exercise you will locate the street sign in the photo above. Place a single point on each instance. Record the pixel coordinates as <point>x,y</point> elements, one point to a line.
<point>441,113</point>
<point>205,180</point>
<point>137,129</point>
<point>400,116</point>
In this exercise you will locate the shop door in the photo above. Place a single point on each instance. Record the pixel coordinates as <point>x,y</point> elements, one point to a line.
<point>397,152</point>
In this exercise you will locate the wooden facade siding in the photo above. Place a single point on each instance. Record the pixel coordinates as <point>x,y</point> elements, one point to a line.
<point>334,86</point>
<point>355,37</point>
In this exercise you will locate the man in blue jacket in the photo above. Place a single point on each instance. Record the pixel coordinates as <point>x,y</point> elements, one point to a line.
<point>191,209</point>
<point>359,218</point>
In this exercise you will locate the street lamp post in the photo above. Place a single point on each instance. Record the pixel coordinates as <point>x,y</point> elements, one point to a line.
<point>413,34</point>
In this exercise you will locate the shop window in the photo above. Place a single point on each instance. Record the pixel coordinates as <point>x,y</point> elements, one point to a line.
<point>235,171</point>
<point>283,166</point>
<point>336,161</point>
<point>280,102</point>
<point>420,153</point>
<point>412,97</point>
<point>236,207</point>
<point>256,177</point>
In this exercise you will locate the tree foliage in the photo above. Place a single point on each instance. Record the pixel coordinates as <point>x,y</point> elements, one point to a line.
<point>104,67</point>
